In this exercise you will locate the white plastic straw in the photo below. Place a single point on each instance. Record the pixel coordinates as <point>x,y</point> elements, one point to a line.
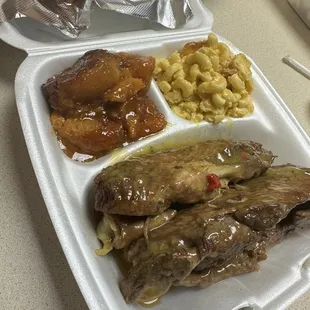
<point>297,66</point>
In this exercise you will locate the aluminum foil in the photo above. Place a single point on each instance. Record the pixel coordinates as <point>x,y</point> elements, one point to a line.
<point>169,13</point>
<point>72,17</point>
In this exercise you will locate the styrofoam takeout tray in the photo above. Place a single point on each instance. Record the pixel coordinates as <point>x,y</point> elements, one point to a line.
<point>67,185</point>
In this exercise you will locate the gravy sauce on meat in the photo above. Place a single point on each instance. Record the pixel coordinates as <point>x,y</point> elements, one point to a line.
<point>189,217</point>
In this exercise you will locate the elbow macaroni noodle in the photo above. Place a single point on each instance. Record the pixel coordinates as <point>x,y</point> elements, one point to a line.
<point>206,81</point>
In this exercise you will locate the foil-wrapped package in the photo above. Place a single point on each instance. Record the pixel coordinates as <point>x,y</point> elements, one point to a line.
<point>72,17</point>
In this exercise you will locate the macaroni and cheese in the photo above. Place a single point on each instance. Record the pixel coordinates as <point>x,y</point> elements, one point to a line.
<point>206,81</point>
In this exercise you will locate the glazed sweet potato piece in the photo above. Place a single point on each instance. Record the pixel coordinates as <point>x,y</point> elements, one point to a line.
<point>91,137</point>
<point>141,117</point>
<point>192,47</point>
<point>98,75</point>
<point>100,102</point>
<point>89,78</point>
<point>125,89</point>
<point>141,67</point>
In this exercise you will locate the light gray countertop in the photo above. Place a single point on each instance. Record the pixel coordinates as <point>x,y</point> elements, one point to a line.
<point>34,273</point>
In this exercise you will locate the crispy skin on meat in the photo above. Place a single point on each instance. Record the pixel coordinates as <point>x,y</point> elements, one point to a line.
<point>155,181</point>
<point>99,75</point>
<point>234,225</point>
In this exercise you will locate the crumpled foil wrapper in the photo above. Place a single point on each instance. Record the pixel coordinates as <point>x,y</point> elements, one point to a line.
<point>169,13</point>
<point>72,17</point>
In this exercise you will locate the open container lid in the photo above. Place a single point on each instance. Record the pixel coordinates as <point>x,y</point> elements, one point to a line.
<point>106,27</point>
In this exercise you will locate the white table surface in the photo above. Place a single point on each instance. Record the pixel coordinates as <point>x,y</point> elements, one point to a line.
<point>34,273</point>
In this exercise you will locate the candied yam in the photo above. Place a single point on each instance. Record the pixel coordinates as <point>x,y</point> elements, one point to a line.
<point>57,120</point>
<point>93,75</point>
<point>97,104</point>
<point>193,47</point>
<point>125,90</point>
<point>141,118</point>
<point>93,82</point>
<point>89,78</point>
<point>89,135</point>
<point>140,66</point>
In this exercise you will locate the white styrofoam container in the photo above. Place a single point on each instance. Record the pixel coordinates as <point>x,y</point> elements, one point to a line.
<point>67,185</point>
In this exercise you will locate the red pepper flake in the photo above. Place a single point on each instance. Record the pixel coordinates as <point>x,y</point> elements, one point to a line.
<point>213,182</point>
<point>244,155</point>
